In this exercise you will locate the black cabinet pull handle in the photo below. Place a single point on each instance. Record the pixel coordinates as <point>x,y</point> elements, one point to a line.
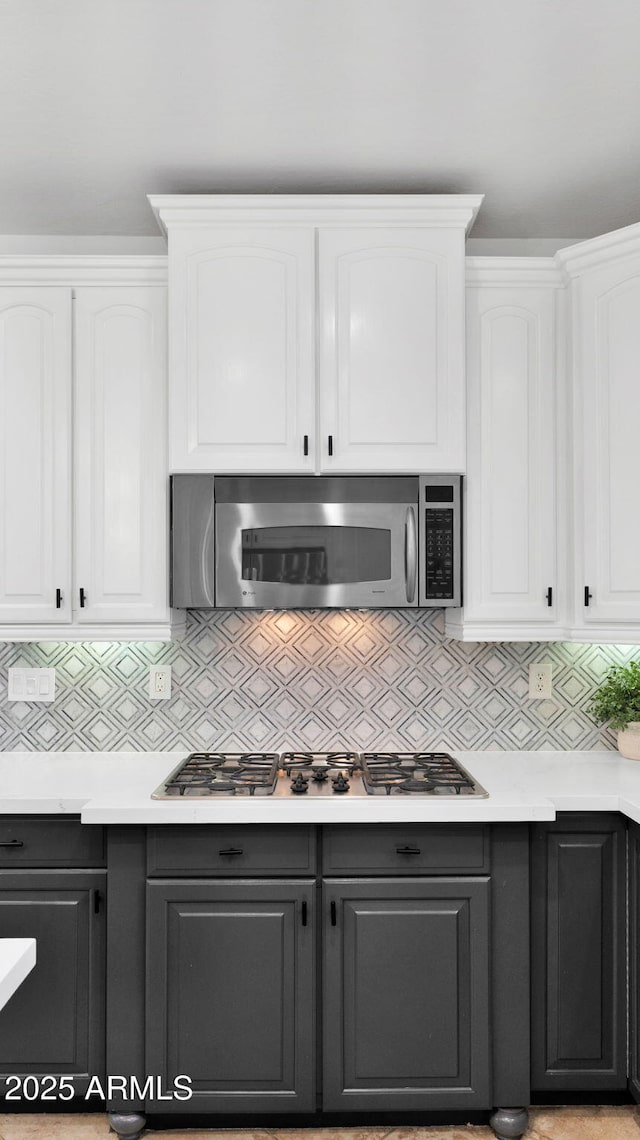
<point>12,843</point>
<point>587,596</point>
<point>334,914</point>
<point>406,850</point>
<point>305,444</point>
<point>230,851</point>
<point>96,902</point>
<point>58,598</point>
<point>83,598</point>
<point>550,596</point>
<point>330,445</point>
<point>304,914</point>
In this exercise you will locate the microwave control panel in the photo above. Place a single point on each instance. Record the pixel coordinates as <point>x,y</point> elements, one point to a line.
<point>440,506</point>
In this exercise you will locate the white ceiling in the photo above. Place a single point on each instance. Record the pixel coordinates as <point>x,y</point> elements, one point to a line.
<point>535,103</point>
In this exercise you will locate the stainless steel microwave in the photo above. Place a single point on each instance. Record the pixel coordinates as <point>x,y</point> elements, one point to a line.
<point>316,542</point>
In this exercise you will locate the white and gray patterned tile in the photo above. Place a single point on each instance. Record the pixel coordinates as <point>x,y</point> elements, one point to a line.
<point>314,679</point>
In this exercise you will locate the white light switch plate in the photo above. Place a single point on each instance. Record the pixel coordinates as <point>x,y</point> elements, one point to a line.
<point>32,685</point>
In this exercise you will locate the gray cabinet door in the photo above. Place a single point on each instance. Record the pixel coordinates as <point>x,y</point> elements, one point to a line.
<point>55,1023</point>
<point>231,993</point>
<point>406,994</point>
<point>634,960</point>
<point>578,975</point>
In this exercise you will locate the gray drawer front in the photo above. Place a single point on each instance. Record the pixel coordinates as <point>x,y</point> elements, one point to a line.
<point>42,841</point>
<point>408,849</point>
<point>229,850</point>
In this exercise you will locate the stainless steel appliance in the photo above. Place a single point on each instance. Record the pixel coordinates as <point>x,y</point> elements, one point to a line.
<point>205,774</point>
<point>307,542</point>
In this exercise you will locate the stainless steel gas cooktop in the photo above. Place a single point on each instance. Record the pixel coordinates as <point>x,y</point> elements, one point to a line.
<point>205,774</point>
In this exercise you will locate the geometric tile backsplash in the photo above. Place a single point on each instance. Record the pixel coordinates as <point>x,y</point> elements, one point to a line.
<point>319,679</point>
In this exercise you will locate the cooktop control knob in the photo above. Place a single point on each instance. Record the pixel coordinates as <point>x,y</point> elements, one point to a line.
<point>340,783</point>
<point>299,783</point>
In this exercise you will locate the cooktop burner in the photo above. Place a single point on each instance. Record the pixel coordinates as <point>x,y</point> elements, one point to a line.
<point>312,769</point>
<point>331,774</point>
<point>222,773</point>
<point>421,773</point>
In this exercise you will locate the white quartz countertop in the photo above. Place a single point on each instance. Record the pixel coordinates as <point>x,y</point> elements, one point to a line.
<point>17,959</point>
<point>115,787</point>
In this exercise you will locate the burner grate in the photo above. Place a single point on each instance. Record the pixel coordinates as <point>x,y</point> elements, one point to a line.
<point>411,773</point>
<point>319,762</point>
<point>333,769</point>
<point>217,773</point>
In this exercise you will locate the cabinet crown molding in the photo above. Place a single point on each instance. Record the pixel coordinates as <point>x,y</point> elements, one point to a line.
<point>576,259</point>
<point>192,210</point>
<point>513,271</point>
<point>83,269</point>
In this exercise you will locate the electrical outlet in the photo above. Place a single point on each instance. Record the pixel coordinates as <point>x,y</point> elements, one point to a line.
<point>540,681</point>
<point>31,685</point>
<point>160,682</point>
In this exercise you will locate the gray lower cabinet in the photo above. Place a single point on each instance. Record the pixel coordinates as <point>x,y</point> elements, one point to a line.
<point>634,961</point>
<point>231,993</point>
<point>578,954</point>
<point>406,994</point>
<point>55,1022</point>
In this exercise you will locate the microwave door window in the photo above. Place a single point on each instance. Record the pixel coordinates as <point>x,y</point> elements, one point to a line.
<point>316,555</point>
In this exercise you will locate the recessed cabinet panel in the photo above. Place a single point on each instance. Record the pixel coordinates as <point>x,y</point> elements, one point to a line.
<point>406,995</point>
<point>243,384</point>
<point>578,984</point>
<point>35,425</point>
<point>510,550</point>
<point>120,423</point>
<point>607,407</point>
<point>634,961</point>
<point>231,992</point>
<point>54,1023</point>
<point>390,341</point>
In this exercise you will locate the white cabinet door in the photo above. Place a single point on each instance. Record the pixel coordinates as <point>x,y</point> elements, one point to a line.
<point>511,566</point>
<point>121,528</point>
<point>35,424</point>
<point>607,413</point>
<point>241,330</point>
<point>391,349</point>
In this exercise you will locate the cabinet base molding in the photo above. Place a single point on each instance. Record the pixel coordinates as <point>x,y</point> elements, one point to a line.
<point>606,634</point>
<point>127,1125</point>
<point>460,630</point>
<point>170,630</point>
<point>509,1123</point>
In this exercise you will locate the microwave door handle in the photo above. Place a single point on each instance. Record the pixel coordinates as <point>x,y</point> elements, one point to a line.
<point>410,554</point>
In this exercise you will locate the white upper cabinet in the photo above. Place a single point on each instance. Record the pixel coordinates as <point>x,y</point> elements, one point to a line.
<point>242,349</point>
<point>391,377</point>
<point>35,465</point>
<point>316,333</point>
<point>605,289</point>
<point>120,455</point>
<point>513,588</point>
<point>84,544</point>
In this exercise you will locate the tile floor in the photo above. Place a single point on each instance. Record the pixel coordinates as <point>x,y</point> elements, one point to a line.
<point>590,1123</point>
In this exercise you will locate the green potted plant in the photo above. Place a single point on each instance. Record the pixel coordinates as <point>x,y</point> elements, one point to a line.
<point>617,700</point>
